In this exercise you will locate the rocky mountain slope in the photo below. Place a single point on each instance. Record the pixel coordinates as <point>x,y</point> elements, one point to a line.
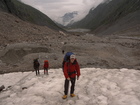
<point>27,13</point>
<point>112,17</point>
<point>68,18</point>
<point>22,41</point>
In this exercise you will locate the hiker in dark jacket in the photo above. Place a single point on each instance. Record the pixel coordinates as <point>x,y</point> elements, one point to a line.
<point>71,70</point>
<point>36,66</point>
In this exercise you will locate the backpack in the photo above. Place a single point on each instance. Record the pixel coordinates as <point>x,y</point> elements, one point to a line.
<point>46,64</point>
<point>67,58</point>
<point>36,63</point>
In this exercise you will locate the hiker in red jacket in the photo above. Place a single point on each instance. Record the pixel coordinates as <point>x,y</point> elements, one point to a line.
<point>46,66</point>
<point>71,70</point>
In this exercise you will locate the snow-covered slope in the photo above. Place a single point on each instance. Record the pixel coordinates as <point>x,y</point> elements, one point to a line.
<point>95,87</point>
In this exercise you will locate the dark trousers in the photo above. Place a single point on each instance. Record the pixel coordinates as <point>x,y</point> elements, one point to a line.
<point>37,71</point>
<point>66,86</point>
<point>46,71</point>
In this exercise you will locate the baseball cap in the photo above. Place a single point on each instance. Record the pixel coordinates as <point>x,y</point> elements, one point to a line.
<point>72,56</point>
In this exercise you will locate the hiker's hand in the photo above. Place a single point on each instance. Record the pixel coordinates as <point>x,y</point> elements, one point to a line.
<point>77,77</point>
<point>68,78</point>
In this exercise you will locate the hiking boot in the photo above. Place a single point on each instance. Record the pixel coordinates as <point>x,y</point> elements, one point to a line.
<point>72,95</point>
<point>64,97</point>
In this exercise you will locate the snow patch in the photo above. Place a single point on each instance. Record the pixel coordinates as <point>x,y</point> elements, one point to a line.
<point>95,87</point>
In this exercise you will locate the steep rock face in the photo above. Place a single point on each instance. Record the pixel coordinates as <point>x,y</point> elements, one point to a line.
<point>108,13</point>
<point>27,13</point>
<point>128,25</point>
<point>68,18</point>
<point>3,5</point>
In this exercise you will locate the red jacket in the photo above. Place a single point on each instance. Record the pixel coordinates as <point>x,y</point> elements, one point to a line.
<point>46,64</point>
<point>71,70</point>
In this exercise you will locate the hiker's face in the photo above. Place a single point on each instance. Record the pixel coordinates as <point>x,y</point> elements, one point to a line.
<point>72,60</point>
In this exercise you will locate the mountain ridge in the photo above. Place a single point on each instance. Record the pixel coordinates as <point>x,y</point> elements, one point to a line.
<point>67,18</point>
<point>107,14</point>
<point>27,13</point>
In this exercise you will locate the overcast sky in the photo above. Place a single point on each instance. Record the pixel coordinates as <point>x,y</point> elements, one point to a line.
<point>57,8</point>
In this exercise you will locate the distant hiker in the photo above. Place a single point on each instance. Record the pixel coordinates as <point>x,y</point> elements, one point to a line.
<point>71,69</point>
<point>36,66</point>
<point>63,51</point>
<point>46,66</point>
<point>2,87</point>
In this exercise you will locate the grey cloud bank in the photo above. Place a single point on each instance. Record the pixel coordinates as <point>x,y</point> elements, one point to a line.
<point>57,8</point>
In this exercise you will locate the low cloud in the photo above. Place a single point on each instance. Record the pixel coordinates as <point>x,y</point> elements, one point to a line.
<point>57,8</point>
